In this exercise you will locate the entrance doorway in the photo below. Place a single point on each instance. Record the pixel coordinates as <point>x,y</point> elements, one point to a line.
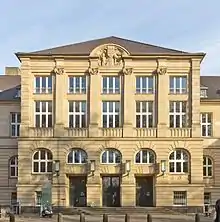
<point>77,191</point>
<point>111,191</point>
<point>144,191</point>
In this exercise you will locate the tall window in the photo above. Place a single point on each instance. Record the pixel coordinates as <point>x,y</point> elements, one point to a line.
<point>178,84</point>
<point>43,114</point>
<point>110,85</point>
<point>145,84</point>
<point>207,167</point>
<point>15,124</point>
<point>177,114</point>
<point>144,114</point>
<point>13,165</point>
<point>145,156</point>
<point>179,161</point>
<point>38,197</point>
<point>110,114</point>
<point>43,84</point>
<point>77,156</point>
<point>206,124</point>
<point>111,156</point>
<point>77,84</point>
<point>77,114</point>
<point>42,161</point>
<point>179,198</point>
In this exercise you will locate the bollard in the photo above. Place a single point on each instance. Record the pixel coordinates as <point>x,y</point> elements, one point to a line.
<point>105,218</point>
<point>11,217</point>
<point>82,217</point>
<point>127,218</point>
<point>197,218</point>
<point>60,217</point>
<point>149,218</point>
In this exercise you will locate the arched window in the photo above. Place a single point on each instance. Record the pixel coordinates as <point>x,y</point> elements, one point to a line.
<point>179,161</point>
<point>111,156</point>
<point>13,166</point>
<point>77,156</point>
<point>145,156</point>
<point>207,166</point>
<point>42,161</point>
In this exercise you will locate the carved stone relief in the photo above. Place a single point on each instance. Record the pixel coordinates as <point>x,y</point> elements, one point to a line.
<point>93,71</point>
<point>58,70</point>
<point>161,70</point>
<point>127,71</point>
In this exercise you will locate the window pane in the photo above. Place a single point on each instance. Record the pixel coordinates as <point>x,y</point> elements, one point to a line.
<point>104,157</point>
<point>37,120</point>
<point>70,121</point>
<point>84,121</point>
<point>44,105</point>
<point>13,117</point>
<point>138,84</point>
<point>117,157</point>
<point>70,157</point>
<point>111,121</point>
<point>12,172</point>
<point>83,157</point>
<point>117,85</point>
<point>178,167</point>
<point>42,155</point>
<point>117,123</point>
<point>104,106</point>
<point>144,156</point>
<point>178,155</point>
<point>138,107</point>
<point>70,106</point>
<point>150,121</point>
<point>151,157</point>
<point>44,123</point>
<point>111,107</point>
<point>150,84</point>
<point>18,118</point>
<point>117,107</point>
<point>13,130</point>
<point>110,157</point>
<point>185,167</point>
<point>138,158</point>
<point>83,106</point>
<point>138,121</point>
<point>42,167</point>
<point>209,171</point>
<point>49,155</point>
<point>49,166</point>
<point>37,106</point>
<point>50,82</point>
<point>50,121</point>
<point>37,82</point>
<point>49,106</point>
<point>76,156</point>
<point>171,84</point>
<point>77,123</point>
<point>172,167</point>
<point>204,171</point>
<point>171,121</point>
<point>77,107</point>
<point>104,121</point>
<point>36,167</point>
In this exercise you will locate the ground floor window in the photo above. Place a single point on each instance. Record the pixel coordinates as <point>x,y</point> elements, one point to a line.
<point>207,201</point>
<point>38,198</point>
<point>179,198</point>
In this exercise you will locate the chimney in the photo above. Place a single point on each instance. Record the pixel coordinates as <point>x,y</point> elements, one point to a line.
<point>12,71</point>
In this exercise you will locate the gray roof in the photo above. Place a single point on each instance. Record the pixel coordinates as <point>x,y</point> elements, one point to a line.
<point>85,48</point>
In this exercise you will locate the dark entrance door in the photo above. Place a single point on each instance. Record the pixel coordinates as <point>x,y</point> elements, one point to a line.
<point>144,191</point>
<point>77,192</point>
<point>111,191</point>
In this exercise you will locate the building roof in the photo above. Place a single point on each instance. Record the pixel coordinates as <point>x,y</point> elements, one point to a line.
<point>85,48</point>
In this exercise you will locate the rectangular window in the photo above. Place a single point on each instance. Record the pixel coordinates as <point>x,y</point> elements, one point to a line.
<point>203,93</point>
<point>111,114</point>
<point>179,198</point>
<point>144,114</point>
<point>43,84</point>
<point>145,84</point>
<point>178,84</point>
<point>77,114</point>
<point>38,197</point>
<point>111,85</point>
<point>177,114</point>
<point>77,84</point>
<point>15,124</point>
<point>43,114</point>
<point>206,124</point>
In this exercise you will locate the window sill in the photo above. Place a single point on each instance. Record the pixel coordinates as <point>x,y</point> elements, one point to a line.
<point>103,94</point>
<point>50,93</point>
<point>77,164</point>
<point>151,93</point>
<point>178,94</point>
<point>178,173</point>
<point>43,173</point>
<point>13,177</point>
<point>70,93</point>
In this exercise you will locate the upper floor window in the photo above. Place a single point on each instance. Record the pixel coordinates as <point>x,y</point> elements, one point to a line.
<point>145,156</point>
<point>77,156</point>
<point>179,161</point>
<point>77,114</point>
<point>178,84</point>
<point>43,114</point>
<point>111,156</point>
<point>42,161</point>
<point>43,84</point>
<point>77,84</point>
<point>18,93</point>
<point>203,93</point>
<point>15,124</point>
<point>207,167</point>
<point>144,114</point>
<point>110,84</point>
<point>13,165</point>
<point>145,84</point>
<point>177,114</point>
<point>111,114</point>
<point>206,124</point>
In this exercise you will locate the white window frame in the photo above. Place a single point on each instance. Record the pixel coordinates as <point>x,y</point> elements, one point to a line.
<point>206,124</point>
<point>107,151</point>
<point>39,160</point>
<point>149,152</point>
<point>73,90</point>
<point>81,152</point>
<point>113,90</point>
<point>16,124</point>
<point>13,165</point>
<point>47,113</point>
<point>42,90</point>
<point>108,113</point>
<point>180,113</point>
<point>182,161</point>
<point>180,198</point>
<point>207,166</point>
<point>176,90</point>
<point>80,114</point>
<point>147,113</point>
<point>142,89</point>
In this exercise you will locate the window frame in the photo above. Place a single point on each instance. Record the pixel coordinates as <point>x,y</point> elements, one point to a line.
<point>72,151</point>
<point>73,89</point>
<point>48,89</point>
<point>206,124</point>
<point>207,166</point>
<point>16,124</point>
<point>145,89</point>
<point>15,166</point>
<point>38,196</point>
<point>184,193</point>
<point>114,151</point>
<point>114,89</point>
<point>149,151</point>
<point>181,90</point>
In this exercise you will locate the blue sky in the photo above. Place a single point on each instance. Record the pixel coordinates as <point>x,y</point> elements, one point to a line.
<point>189,25</point>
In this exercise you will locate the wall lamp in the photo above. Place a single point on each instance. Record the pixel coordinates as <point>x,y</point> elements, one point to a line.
<point>92,166</point>
<point>163,166</point>
<point>128,166</point>
<point>56,165</point>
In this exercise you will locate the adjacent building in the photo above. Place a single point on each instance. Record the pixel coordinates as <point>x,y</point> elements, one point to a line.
<point>110,122</point>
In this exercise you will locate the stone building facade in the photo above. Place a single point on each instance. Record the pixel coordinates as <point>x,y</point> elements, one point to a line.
<point>113,122</point>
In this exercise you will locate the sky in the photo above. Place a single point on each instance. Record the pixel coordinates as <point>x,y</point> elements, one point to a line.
<point>188,25</point>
